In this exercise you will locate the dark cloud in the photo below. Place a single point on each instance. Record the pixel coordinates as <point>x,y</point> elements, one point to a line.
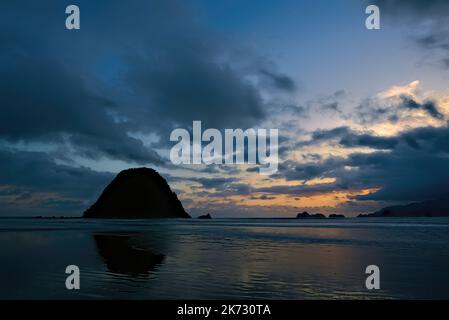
<point>253,169</point>
<point>262,197</point>
<point>307,171</point>
<point>348,138</point>
<point>31,184</point>
<point>42,101</point>
<point>228,189</point>
<point>429,139</point>
<point>295,110</point>
<point>413,169</point>
<point>428,106</point>
<point>213,183</point>
<point>407,176</point>
<point>135,69</point>
<point>367,140</point>
<point>182,88</point>
<point>428,20</point>
<point>331,106</point>
<point>421,8</point>
<point>279,80</point>
<point>144,67</point>
<point>370,111</point>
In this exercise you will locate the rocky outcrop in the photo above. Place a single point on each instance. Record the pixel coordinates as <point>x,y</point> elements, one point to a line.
<point>336,216</point>
<point>205,216</point>
<point>138,193</point>
<point>306,215</point>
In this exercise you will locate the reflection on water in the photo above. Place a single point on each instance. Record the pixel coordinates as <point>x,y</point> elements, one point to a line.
<point>224,258</point>
<point>124,254</point>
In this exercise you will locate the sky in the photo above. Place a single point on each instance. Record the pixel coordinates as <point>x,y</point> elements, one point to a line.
<point>362,114</point>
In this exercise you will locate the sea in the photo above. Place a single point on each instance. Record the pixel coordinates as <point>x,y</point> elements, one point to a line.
<point>225,258</point>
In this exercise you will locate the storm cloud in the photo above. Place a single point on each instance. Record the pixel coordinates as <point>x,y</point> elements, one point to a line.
<point>347,137</point>
<point>130,72</point>
<point>31,183</point>
<point>427,19</point>
<point>129,69</point>
<point>415,166</point>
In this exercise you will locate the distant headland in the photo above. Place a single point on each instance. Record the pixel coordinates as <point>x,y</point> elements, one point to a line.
<point>138,193</point>
<point>431,208</point>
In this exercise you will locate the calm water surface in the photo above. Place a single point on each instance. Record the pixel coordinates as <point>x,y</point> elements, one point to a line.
<point>224,258</point>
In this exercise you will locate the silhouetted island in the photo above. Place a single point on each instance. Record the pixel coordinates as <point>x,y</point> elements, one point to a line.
<point>306,215</point>
<point>336,216</point>
<point>137,193</point>
<point>205,216</point>
<point>431,208</point>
